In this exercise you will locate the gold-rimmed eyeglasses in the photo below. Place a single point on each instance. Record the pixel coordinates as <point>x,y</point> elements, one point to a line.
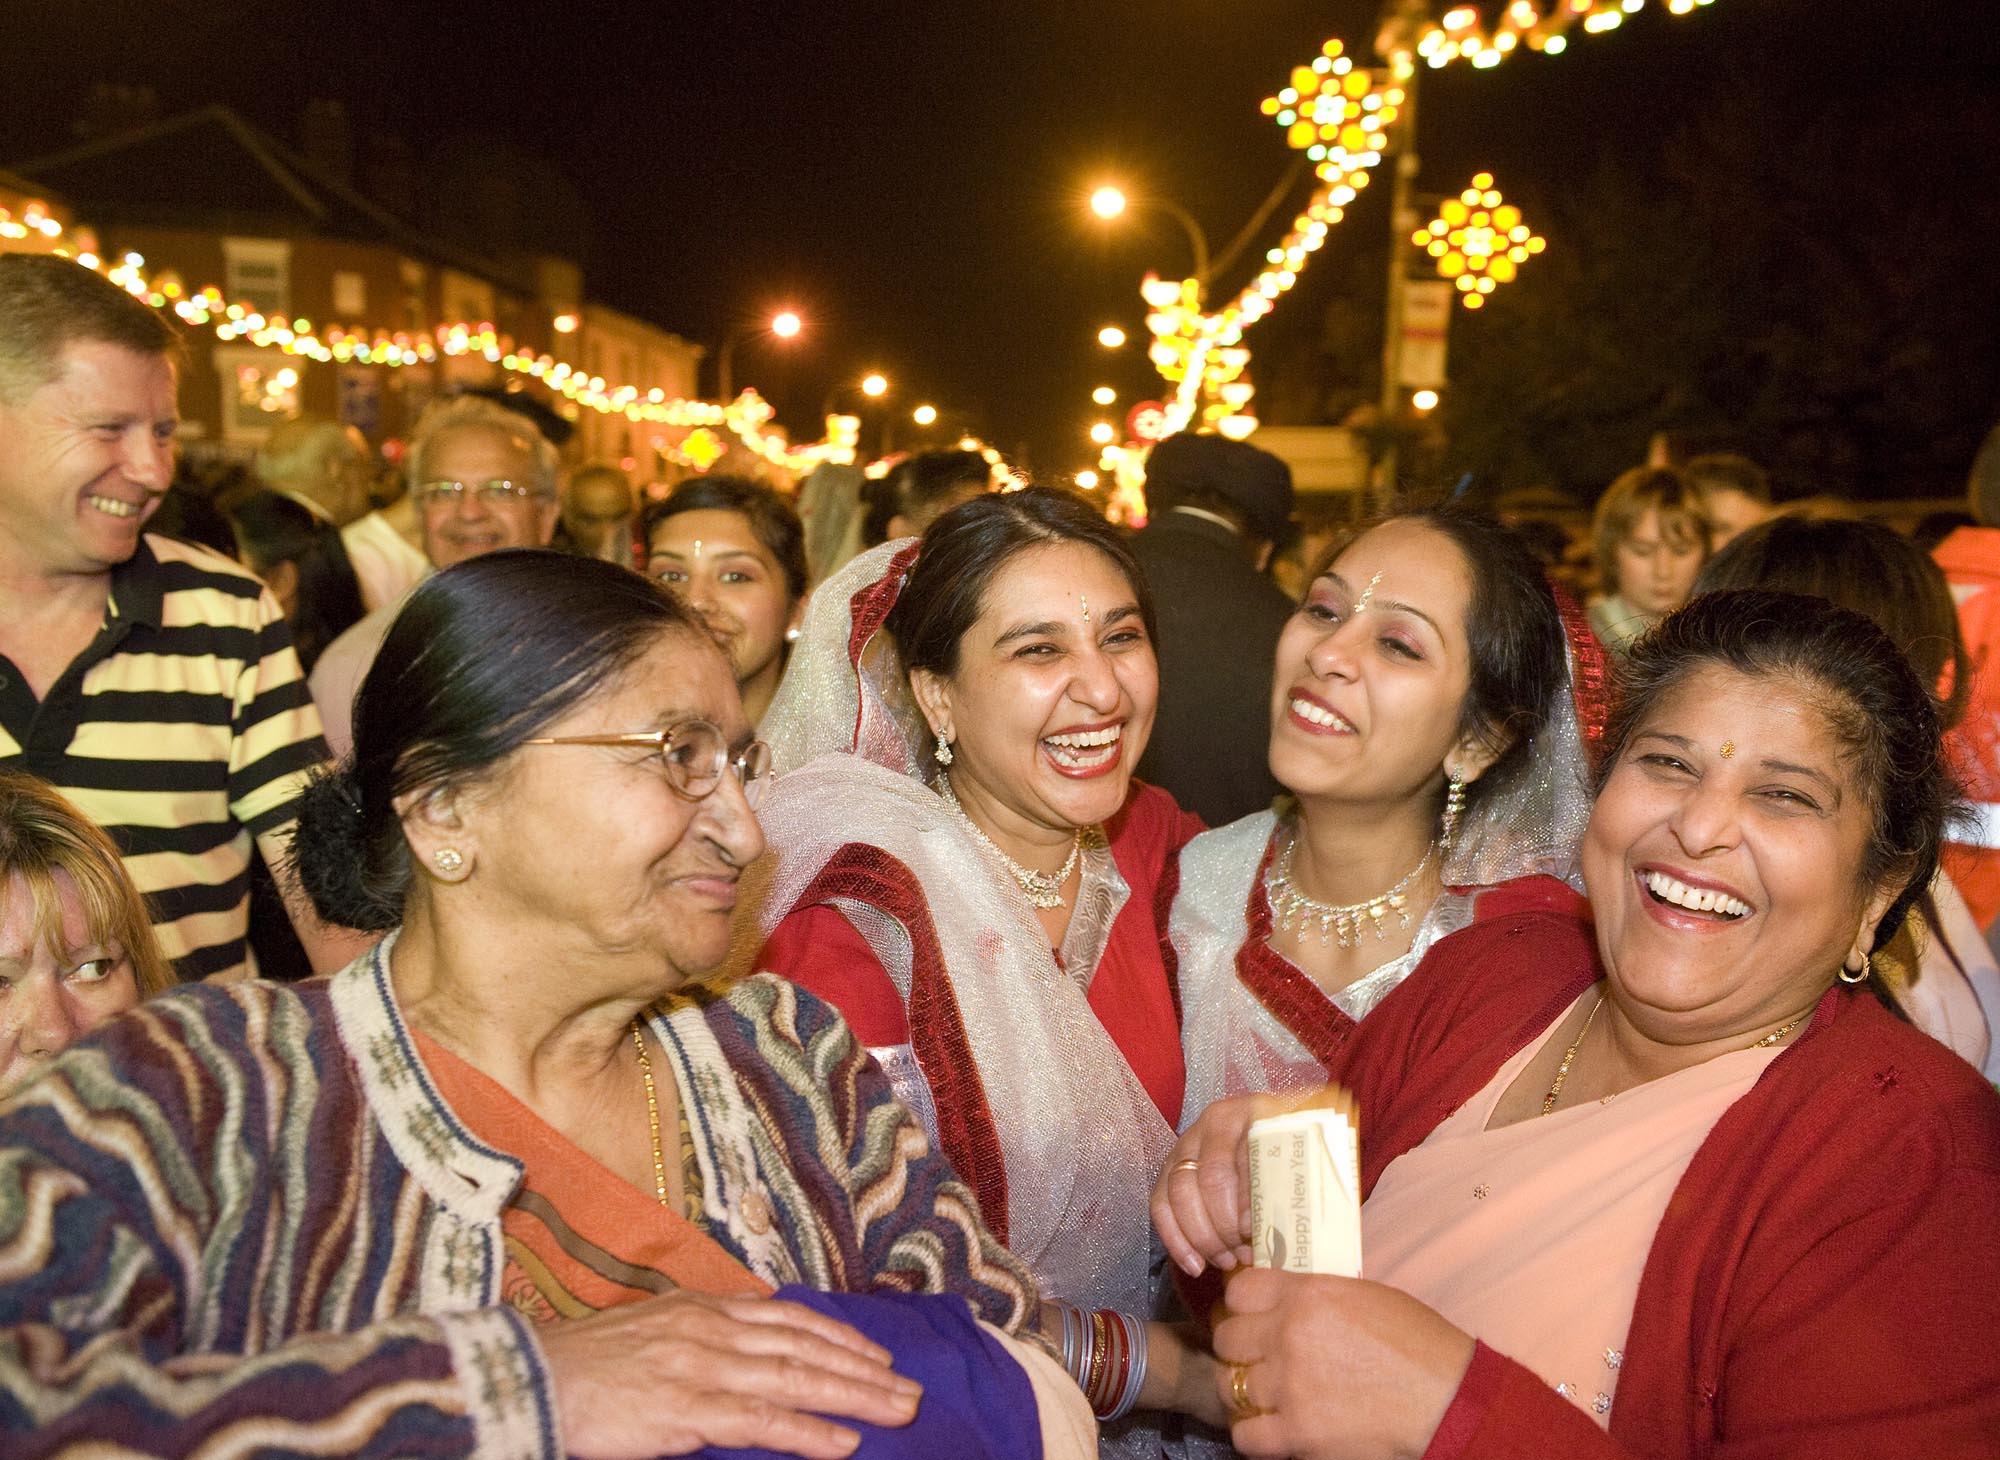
<point>696,754</point>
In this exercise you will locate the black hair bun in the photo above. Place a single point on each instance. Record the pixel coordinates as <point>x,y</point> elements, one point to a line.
<point>332,849</point>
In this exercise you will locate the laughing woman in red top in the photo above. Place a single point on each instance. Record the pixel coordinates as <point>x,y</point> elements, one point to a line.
<point>974,879</point>
<point>1701,1194</point>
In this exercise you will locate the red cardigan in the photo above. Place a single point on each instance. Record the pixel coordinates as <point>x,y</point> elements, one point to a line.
<point>1826,1280</point>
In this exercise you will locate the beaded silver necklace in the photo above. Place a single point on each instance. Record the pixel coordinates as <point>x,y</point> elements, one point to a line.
<point>1043,889</point>
<point>1338,923</point>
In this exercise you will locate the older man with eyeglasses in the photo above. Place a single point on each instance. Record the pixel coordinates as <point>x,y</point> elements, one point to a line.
<point>483,479</point>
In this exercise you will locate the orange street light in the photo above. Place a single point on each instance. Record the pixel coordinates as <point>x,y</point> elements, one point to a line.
<point>785,326</point>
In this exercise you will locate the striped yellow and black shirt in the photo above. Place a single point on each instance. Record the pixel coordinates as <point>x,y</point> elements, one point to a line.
<point>184,730</point>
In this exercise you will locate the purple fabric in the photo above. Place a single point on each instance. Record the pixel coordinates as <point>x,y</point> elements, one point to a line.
<point>977,1401</point>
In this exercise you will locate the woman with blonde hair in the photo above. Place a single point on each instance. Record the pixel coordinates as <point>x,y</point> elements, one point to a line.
<point>1650,536</point>
<point>76,946</point>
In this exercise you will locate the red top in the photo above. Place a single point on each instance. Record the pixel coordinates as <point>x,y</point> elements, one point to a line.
<point>1134,993</point>
<point>1823,1282</point>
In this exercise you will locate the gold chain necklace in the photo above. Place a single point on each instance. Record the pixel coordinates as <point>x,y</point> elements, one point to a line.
<point>1043,889</point>
<point>1569,1055</point>
<point>1343,924</point>
<point>652,1114</point>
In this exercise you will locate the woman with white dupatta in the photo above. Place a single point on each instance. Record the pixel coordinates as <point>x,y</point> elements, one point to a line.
<point>1422,722</point>
<point>962,864</point>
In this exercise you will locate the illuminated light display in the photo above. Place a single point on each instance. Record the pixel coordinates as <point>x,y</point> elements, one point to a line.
<point>747,417</point>
<point>1342,115</point>
<point>1464,34</point>
<point>1478,241</point>
<point>701,449</point>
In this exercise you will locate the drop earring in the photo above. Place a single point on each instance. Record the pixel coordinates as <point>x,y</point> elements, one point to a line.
<point>942,754</point>
<point>1454,807</point>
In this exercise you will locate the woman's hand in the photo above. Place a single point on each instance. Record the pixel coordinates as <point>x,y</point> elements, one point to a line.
<point>678,1372</point>
<point>1336,1366</point>
<point>1201,1201</point>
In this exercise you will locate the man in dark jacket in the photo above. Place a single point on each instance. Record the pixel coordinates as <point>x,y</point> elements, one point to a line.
<point>1218,510</point>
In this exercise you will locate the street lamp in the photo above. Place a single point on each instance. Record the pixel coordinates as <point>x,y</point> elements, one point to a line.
<point>1104,395</point>
<point>1110,202</point>
<point>1111,337</point>
<point>785,326</point>
<point>924,415</point>
<point>1103,433</point>
<point>874,384</point>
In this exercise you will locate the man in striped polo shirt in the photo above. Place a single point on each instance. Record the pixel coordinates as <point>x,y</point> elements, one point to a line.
<point>153,682</point>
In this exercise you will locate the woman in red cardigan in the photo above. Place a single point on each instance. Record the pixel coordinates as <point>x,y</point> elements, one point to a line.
<point>1695,1191</point>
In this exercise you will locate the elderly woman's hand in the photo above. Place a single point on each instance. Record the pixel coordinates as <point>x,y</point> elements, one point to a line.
<point>1201,1199</point>
<point>685,1370</point>
<point>1335,1366</point>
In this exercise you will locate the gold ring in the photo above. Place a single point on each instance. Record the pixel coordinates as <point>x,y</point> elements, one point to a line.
<point>1241,1406</point>
<point>1187,1165</point>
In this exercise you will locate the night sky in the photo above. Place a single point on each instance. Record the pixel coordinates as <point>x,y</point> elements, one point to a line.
<point>911,177</point>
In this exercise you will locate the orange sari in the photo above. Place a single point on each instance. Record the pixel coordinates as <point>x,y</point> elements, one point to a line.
<point>579,1237</point>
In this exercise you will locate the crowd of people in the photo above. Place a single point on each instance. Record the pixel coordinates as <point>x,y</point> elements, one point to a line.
<point>771,971</point>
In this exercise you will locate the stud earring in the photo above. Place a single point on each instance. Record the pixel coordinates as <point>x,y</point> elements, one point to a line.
<point>448,859</point>
<point>1454,807</point>
<point>792,634</point>
<point>1867,967</point>
<point>942,754</point>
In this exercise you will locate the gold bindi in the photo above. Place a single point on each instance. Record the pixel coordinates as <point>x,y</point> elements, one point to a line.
<point>1084,599</point>
<point>1728,749</point>
<point>1367,594</point>
<point>697,547</point>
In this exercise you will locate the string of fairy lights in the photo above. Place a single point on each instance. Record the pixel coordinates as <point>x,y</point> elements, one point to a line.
<point>1341,116</point>
<point>747,417</point>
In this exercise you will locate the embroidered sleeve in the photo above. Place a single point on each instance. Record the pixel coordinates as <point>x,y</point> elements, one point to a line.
<point>158,1192</point>
<point>915,1226</point>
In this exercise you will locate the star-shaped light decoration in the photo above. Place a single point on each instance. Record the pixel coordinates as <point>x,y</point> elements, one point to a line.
<point>1478,240</point>
<point>702,448</point>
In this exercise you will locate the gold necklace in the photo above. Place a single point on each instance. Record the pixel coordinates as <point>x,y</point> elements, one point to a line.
<point>1043,889</point>
<point>1343,924</point>
<point>652,1114</point>
<point>1569,1055</point>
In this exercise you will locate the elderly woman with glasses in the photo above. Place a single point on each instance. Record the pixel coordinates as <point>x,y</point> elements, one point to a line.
<point>509,1185</point>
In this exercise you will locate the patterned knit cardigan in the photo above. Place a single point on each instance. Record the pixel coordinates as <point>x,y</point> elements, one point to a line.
<point>242,1220</point>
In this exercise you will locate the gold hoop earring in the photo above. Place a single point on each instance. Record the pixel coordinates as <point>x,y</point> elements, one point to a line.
<point>1867,967</point>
